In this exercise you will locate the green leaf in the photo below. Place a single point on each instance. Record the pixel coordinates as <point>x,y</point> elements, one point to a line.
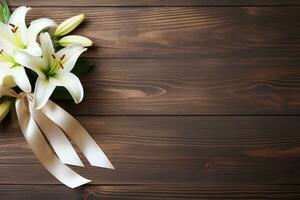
<point>5,12</point>
<point>61,93</point>
<point>82,66</point>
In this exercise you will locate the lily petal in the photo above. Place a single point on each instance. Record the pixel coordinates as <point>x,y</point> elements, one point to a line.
<point>33,48</point>
<point>72,84</point>
<point>34,63</point>
<point>6,38</point>
<point>47,48</point>
<point>43,90</point>
<point>71,55</point>
<point>39,25</point>
<point>21,79</point>
<point>18,19</point>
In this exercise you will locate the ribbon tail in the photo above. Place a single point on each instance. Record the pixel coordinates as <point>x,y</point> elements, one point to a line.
<point>40,147</point>
<point>60,143</point>
<point>78,134</point>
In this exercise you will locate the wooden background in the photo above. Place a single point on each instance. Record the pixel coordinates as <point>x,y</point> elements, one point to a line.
<point>190,99</point>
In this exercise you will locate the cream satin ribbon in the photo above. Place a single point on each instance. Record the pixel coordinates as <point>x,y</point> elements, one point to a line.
<point>48,126</point>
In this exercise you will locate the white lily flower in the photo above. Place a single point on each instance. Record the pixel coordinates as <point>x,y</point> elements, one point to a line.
<point>53,70</point>
<point>15,36</point>
<point>75,39</point>
<point>9,69</point>
<point>68,25</point>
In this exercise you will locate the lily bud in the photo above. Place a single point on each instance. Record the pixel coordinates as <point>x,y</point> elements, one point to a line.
<point>4,109</point>
<point>75,39</point>
<point>9,82</point>
<point>68,25</point>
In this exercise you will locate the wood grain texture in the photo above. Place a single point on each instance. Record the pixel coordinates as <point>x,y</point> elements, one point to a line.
<point>100,3</point>
<point>193,87</point>
<point>185,66</point>
<point>150,192</point>
<point>249,33</point>
<point>211,67</point>
<point>169,150</point>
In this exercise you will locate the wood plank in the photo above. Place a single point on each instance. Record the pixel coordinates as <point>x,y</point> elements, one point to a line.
<point>196,32</point>
<point>156,3</point>
<point>200,39</point>
<point>150,192</point>
<point>190,87</point>
<point>38,192</point>
<point>169,150</point>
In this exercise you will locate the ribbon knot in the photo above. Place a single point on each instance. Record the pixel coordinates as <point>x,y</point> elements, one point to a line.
<point>22,95</point>
<point>45,131</point>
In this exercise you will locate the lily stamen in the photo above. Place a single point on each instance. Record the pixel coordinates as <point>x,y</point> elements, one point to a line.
<point>53,56</point>
<point>14,30</point>
<point>12,25</point>
<point>63,57</point>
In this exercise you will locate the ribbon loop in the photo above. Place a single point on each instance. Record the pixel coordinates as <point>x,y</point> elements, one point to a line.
<point>60,143</point>
<point>50,122</point>
<point>78,134</point>
<point>42,150</point>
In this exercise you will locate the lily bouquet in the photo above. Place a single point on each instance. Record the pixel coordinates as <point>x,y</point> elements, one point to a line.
<point>42,53</point>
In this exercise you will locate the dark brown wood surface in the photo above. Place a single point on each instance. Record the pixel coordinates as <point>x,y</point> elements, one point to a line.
<point>150,192</point>
<point>191,87</point>
<point>187,32</point>
<point>189,99</point>
<point>208,150</point>
<point>183,3</point>
<point>195,60</point>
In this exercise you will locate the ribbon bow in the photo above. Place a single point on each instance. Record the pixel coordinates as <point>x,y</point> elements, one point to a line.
<point>48,126</point>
